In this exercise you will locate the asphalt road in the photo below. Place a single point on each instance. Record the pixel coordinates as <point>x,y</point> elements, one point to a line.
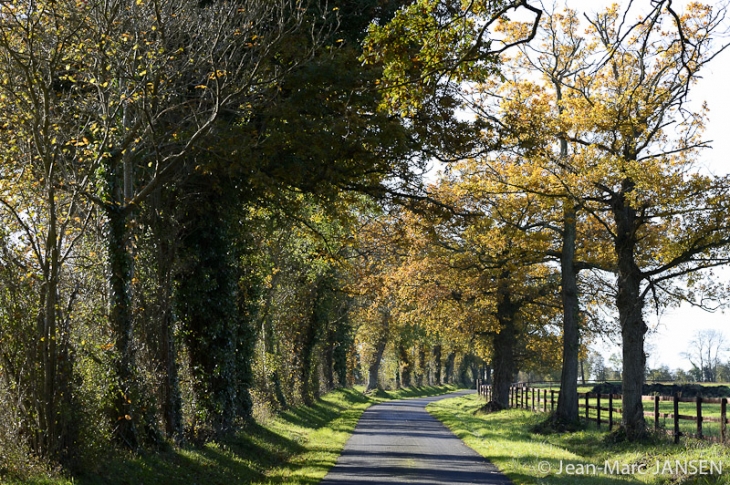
<point>400,443</point>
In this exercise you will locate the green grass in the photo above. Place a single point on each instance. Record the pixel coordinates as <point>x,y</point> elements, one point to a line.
<point>709,410</point>
<point>505,439</point>
<point>297,447</point>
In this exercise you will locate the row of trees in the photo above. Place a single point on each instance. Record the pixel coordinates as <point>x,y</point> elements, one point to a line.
<point>213,207</point>
<point>180,187</point>
<point>581,204</point>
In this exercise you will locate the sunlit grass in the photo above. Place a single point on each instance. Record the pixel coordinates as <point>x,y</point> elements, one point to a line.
<point>505,439</point>
<point>298,446</point>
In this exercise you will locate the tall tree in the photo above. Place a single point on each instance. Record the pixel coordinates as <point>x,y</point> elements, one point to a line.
<point>665,220</point>
<point>526,115</point>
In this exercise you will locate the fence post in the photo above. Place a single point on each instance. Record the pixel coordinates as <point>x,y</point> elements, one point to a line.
<point>524,397</point>
<point>532,408</point>
<point>676,419</point>
<point>544,401</point>
<point>552,400</point>
<point>699,417</point>
<point>598,410</point>
<point>587,417</point>
<point>610,411</point>
<point>723,419</point>
<point>656,413</point>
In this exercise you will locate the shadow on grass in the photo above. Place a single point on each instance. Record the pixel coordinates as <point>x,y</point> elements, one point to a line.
<point>298,446</point>
<point>316,416</point>
<point>275,452</point>
<point>243,458</point>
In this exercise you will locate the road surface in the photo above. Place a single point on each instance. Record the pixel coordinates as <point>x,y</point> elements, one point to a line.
<point>400,443</point>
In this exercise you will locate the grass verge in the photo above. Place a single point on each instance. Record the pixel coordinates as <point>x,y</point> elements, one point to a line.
<point>297,447</point>
<point>528,458</point>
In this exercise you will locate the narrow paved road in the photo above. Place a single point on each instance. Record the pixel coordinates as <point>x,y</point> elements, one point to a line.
<point>399,442</point>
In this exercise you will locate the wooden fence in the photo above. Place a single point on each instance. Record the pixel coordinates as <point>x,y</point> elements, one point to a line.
<point>602,409</point>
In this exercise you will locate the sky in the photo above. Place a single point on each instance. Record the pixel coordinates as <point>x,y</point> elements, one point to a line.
<point>671,334</point>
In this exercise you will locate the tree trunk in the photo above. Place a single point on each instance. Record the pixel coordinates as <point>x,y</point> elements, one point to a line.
<point>307,347</point>
<point>329,360</point>
<point>503,355</point>
<point>421,366</point>
<point>341,353</point>
<point>374,367</point>
<point>120,315</point>
<point>170,393</point>
<point>437,364</point>
<point>48,338</point>
<point>567,411</point>
<point>405,366</point>
<point>449,370</point>
<point>630,308</point>
<point>504,364</point>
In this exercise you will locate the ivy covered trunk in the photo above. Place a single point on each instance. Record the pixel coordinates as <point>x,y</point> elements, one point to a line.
<point>212,306</point>
<point>341,351</point>
<point>206,303</point>
<point>307,346</point>
<point>328,358</point>
<point>120,315</point>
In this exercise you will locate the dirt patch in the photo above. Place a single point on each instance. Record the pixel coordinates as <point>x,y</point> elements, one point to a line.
<point>490,407</point>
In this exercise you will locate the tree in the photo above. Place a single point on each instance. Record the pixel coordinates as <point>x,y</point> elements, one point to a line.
<point>632,172</point>
<point>646,194</point>
<point>473,271</point>
<point>535,158</point>
<point>660,374</point>
<point>705,353</point>
<point>119,97</point>
<point>43,150</point>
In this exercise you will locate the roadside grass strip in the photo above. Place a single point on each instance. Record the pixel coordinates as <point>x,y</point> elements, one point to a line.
<point>298,446</point>
<point>583,457</point>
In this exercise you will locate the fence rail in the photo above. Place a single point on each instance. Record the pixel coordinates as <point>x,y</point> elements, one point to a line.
<point>594,405</point>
